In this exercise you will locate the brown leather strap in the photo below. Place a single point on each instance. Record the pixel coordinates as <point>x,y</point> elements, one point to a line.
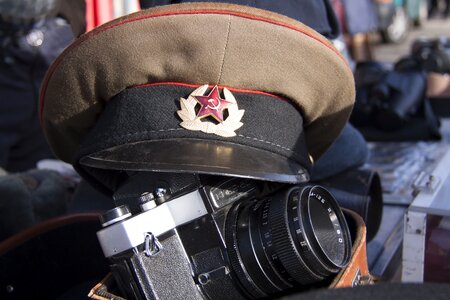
<point>44,227</point>
<point>100,290</point>
<point>52,258</point>
<point>357,271</point>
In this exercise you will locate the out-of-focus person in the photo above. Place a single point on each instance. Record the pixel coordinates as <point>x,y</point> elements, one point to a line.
<point>439,8</point>
<point>32,34</point>
<point>358,19</point>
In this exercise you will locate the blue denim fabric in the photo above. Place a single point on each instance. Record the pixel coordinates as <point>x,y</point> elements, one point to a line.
<point>25,55</point>
<point>361,16</point>
<point>348,151</point>
<point>317,14</point>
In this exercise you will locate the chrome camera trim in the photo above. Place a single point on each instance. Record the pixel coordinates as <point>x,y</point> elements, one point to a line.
<point>131,232</point>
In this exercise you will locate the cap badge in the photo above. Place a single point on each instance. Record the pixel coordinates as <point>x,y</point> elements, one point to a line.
<point>207,113</point>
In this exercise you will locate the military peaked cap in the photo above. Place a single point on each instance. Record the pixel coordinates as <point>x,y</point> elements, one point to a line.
<point>198,87</point>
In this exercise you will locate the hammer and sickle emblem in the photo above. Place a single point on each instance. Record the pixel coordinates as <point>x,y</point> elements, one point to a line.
<point>211,104</point>
<point>197,118</point>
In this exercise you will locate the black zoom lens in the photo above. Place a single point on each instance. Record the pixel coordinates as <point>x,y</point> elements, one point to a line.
<point>296,238</point>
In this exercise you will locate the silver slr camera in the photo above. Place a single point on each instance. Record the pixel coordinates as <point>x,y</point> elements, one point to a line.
<point>185,236</point>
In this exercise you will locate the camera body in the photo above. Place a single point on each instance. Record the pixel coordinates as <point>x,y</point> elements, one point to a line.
<point>433,55</point>
<point>179,236</point>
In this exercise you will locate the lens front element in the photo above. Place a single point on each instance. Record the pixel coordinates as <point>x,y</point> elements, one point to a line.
<point>327,229</point>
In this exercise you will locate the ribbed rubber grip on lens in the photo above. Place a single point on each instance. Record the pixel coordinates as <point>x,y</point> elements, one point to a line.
<point>285,247</point>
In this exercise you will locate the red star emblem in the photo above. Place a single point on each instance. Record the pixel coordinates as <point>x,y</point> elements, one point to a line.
<point>212,105</point>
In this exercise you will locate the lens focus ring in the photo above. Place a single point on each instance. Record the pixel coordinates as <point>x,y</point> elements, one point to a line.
<point>286,246</point>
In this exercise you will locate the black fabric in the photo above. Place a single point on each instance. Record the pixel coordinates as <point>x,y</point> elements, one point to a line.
<point>391,104</point>
<point>317,14</point>
<point>431,55</point>
<point>385,291</point>
<point>31,197</point>
<point>26,11</point>
<point>23,63</point>
<point>440,106</point>
<point>417,129</point>
<point>150,113</point>
<point>54,263</point>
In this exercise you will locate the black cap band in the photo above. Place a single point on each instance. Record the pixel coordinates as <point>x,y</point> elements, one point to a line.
<point>139,129</point>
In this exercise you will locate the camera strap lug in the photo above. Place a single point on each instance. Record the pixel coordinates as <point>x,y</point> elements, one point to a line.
<point>206,277</point>
<point>152,245</point>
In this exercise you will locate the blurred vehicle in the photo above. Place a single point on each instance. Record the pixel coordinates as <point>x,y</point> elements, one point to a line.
<point>397,16</point>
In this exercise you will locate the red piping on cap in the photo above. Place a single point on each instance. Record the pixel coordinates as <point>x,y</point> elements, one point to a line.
<point>211,86</point>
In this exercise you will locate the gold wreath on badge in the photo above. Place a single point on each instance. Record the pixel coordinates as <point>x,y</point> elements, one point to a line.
<point>211,105</point>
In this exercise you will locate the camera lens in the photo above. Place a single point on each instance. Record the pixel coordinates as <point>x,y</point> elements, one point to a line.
<point>293,239</point>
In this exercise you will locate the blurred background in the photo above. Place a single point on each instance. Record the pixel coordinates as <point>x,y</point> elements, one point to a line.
<point>433,27</point>
<point>401,22</point>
